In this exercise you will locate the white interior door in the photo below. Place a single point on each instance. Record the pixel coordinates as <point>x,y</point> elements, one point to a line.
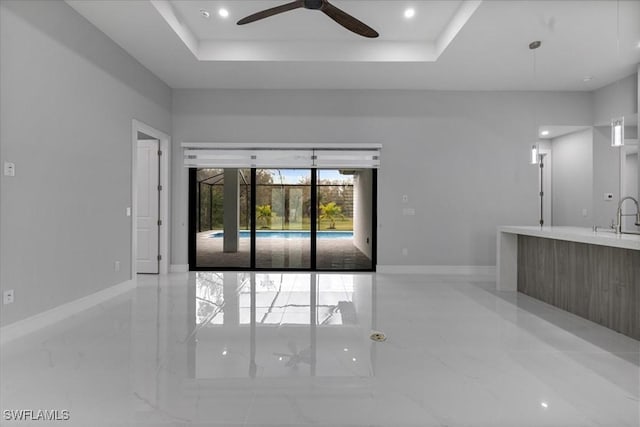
<point>148,207</point>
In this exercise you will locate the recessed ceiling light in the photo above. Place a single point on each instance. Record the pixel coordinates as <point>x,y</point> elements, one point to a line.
<point>409,13</point>
<point>587,78</point>
<point>223,13</point>
<point>204,13</point>
<point>544,133</point>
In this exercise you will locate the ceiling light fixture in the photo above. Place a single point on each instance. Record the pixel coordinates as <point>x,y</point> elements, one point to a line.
<point>204,13</point>
<point>587,79</point>
<point>409,13</point>
<point>224,13</point>
<point>544,133</point>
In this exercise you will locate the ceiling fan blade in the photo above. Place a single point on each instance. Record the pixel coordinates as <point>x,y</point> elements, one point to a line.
<point>348,21</point>
<point>270,12</point>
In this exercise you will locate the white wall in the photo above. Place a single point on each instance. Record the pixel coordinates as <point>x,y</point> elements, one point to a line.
<point>461,157</point>
<point>572,184</point>
<point>69,95</point>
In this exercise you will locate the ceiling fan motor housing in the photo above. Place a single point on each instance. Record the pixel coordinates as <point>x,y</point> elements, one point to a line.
<point>313,4</point>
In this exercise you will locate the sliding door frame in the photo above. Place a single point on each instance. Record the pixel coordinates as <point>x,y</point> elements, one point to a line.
<point>193,214</point>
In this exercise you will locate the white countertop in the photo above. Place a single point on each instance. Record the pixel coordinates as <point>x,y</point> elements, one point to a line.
<point>577,234</point>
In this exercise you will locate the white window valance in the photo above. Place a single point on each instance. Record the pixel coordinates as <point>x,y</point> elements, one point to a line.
<point>242,155</point>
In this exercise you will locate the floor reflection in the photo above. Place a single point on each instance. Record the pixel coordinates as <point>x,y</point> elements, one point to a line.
<point>269,349</point>
<point>279,324</point>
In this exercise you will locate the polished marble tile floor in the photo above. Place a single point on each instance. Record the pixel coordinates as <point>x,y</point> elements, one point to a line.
<point>242,349</point>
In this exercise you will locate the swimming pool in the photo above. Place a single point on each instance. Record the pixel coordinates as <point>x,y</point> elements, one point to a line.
<point>289,234</point>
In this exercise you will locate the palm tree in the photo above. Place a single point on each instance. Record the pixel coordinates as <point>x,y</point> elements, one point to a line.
<point>329,212</point>
<point>264,214</point>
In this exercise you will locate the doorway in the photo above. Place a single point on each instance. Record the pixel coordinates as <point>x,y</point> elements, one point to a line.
<point>282,219</point>
<point>149,211</point>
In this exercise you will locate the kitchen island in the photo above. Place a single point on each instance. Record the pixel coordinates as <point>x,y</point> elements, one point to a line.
<point>595,275</point>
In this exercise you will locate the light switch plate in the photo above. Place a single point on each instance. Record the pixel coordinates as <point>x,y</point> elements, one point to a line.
<point>7,297</point>
<point>9,169</point>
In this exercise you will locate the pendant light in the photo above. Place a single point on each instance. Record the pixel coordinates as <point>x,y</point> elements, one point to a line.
<point>617,124</point>
<point>617,132</point>
<point>537,158</point>
<point>535,149</point>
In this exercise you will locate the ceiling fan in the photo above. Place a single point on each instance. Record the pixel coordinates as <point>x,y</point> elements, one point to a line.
<point>295,357</point>
<point>341,17</point>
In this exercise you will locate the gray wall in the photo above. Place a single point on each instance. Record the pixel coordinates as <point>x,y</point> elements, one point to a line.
<point>606,176</point>
<point>609,102</point>
<point>615,100</point>
<point>572,183</point>
<point>69,95</point>
<point>461,157</point>
<point>575,181</point>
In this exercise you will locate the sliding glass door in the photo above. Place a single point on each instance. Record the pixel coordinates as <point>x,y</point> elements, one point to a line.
<point>282,219</point>
<point>223,218</point>
<point>283,208</point>
<point>344,238</point>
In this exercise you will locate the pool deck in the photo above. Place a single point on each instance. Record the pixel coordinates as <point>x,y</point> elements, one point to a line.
<point>333,254</point>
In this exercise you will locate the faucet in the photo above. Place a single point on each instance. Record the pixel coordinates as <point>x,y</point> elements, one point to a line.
<point>619,214</point>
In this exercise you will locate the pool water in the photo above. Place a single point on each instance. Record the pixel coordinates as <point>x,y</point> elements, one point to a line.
<point>289,234</point>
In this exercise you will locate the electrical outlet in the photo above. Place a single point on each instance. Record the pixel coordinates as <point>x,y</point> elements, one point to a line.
<point>7,297</point>
<point>116,266</point>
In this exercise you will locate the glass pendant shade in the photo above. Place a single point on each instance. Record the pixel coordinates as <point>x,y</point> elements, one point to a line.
<point>617,132</point>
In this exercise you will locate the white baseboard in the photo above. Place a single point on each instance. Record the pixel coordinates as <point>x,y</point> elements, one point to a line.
<point>179,268</point>
<point>46,318</point>
<point>460,270</point>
